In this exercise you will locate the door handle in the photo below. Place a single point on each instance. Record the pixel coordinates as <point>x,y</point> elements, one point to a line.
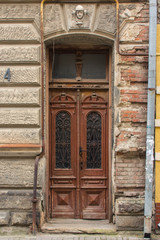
<point>81,151</point>
<point>81,165</point>
<point>81,156</point>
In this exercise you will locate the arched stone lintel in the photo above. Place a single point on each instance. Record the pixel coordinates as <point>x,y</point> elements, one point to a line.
<point>82,37</point>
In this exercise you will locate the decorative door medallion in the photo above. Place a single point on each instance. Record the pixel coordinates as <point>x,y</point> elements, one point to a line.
<point>79,142</point>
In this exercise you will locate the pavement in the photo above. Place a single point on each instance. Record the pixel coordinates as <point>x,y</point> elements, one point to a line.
<point>69,237</point>
<point>41,236</point>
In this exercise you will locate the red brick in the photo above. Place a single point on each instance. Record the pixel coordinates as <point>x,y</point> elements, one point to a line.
<point>157,215</point>
<point>133,116</point>
<point>133,76</point>
<point>134,96</point>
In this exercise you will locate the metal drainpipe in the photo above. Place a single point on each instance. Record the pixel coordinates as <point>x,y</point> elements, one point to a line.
<point>150,118</point>
<point>34,200</point>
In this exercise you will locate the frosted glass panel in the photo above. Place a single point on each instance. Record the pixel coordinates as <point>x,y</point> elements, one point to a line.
<point>94,66</point>
<point>64,66</point>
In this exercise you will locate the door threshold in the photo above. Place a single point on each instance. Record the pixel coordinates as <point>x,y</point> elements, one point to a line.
<point>79,226</point>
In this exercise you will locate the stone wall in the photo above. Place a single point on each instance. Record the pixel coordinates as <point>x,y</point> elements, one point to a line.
<point>20,99</point>
<point>19,109</point>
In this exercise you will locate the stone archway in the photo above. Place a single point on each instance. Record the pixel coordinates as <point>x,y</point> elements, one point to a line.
<point>89,43</point>
<point>96,29</point>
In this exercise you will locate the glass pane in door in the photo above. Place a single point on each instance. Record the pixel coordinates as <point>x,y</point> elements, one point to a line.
<point>94,140</point>
<point>63,140</point>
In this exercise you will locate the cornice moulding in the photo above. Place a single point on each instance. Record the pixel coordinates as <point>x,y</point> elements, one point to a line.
<point>74,1</point>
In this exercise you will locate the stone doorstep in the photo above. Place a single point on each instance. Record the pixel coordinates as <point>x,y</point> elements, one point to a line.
<point>79,226</point>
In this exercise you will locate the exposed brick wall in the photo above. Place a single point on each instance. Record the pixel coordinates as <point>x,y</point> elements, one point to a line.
<point>157,215</point>
<point>130,171</point>
<point>134,75</point>
<point>134,96</point>
<point>134,115</point>
<point>158,11</point>
<point>131,109</point>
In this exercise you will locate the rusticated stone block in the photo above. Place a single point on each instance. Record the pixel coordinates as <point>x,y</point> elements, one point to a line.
<point>106,18</point>
<point>16,199</point>
<point>19,117</point>
<point>21,218</point>
<point>19,54</point>
<point>19,96</point>
<point>135,32</point>
<point>18,173</point>
<point>132,11</point>
<point>20,11</point>
<point>20,152</point>
<point>52,19</point>
<point>131,139</point>
<point>18,32</point>
<point>4,218</point>
<point>13,136</point>
<point>129,222</point>
<point>21,75</point>
<point>133,60</point>
<point>130,206</point>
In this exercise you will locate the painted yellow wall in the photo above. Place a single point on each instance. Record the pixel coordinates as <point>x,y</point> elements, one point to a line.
<point>157,128</point>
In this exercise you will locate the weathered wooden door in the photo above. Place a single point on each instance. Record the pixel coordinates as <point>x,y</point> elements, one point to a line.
<point>79,148</point>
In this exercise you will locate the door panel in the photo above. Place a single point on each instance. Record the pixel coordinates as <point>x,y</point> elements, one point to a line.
<point>63,202</point>
<point>93,158</point>
<point>93,203</point>
<point>63,156</point>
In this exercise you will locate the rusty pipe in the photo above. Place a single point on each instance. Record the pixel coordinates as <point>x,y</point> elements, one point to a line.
<point>34,200</point>
<point>118,38</point>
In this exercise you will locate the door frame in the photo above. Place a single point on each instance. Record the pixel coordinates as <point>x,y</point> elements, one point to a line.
<point>46,189</point>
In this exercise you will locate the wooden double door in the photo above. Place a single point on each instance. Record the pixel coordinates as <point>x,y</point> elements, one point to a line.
<point>79,93</point>
<point>79,155</point>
